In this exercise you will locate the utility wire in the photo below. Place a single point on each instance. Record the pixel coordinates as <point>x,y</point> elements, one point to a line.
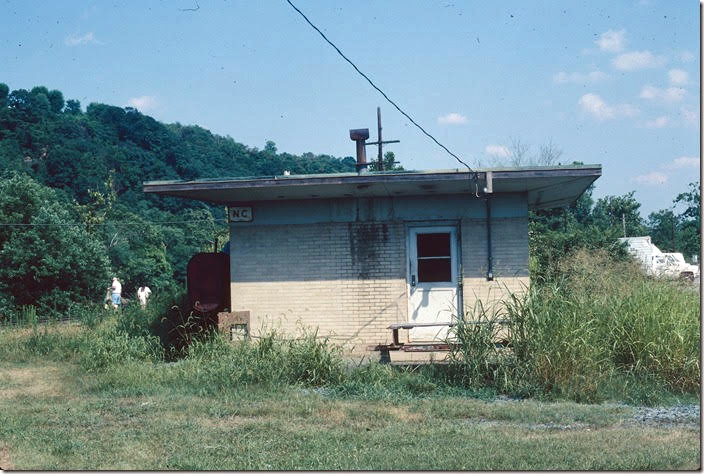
<point>374,85</point>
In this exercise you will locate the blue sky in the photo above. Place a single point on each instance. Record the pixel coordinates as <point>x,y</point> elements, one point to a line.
<point>615,83</point>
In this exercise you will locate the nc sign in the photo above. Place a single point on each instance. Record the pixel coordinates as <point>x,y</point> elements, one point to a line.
<point>240,214</point>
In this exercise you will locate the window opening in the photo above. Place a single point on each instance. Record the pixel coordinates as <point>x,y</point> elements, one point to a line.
<point>434,257</point>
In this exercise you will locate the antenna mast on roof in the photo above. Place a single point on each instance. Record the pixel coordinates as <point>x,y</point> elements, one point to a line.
<point>379,142</point>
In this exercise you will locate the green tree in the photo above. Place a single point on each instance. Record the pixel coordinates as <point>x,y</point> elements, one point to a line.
<point>95,212</point>
<point>690,220</point>
<point>679,232</point>
<point>610,212</point>
<point>4,92</point>
<point>46,259</point>
<point>73,107</point>
<point>56,101</point>
<point>389,162</point>
<point>137,252</point>
<point>195,233</point>
<point>555,234</point>
<point>270,148</point>
<point>28,107</point>
<point>664,229</point>
<point>40,90</point>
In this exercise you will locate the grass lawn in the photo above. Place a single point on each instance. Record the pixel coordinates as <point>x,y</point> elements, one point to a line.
<point>55,416</point>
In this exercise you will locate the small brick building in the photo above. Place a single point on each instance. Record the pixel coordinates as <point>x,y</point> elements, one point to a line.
<point>350,254</point>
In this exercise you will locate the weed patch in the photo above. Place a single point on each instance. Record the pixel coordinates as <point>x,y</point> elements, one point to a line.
<point>601,330</point>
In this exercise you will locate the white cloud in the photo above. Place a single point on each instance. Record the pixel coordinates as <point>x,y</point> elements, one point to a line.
<point>659,122</point>
<point>669,95</point>
<point>683,162</point>
<point>143,103</point>
<point>597,107</point>
<point>673,94</point>
<point>649,92</point>
<point>500,151</point>
<point>678,77</point>
<point>637,60</point>
<point>654,178</point>
<point>612,41</point>
<point>689,116</point>
<point>452,119</point>
<point>88,38</point>
<point>686,56</point>
<point>578,78</point>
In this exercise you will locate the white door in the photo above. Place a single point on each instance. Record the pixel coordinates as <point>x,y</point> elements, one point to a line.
<point>433,280</point>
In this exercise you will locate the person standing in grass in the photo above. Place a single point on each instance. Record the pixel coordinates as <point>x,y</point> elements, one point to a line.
<point>143,293</point>
<point>115,293</point>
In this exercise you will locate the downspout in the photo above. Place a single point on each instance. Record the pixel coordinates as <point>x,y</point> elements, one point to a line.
<point>488,190</point>
<point>460,273</point>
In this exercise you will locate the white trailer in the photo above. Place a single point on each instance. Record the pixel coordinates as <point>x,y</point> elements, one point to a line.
<point>657,263</point>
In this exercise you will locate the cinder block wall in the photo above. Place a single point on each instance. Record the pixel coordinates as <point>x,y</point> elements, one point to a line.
<point>348,279</point>
<point>510,261</point>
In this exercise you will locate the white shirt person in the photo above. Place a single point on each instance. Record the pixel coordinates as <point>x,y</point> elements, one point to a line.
<point>143,294</point>
<point>116,292</point>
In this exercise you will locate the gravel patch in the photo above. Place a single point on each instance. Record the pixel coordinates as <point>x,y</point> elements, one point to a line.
<point>532,426</point>
<point>323,392</point>
<point>674,416</point>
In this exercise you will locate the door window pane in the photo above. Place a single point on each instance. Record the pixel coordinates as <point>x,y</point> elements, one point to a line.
<point>433,245</point>
<point>434,269</point>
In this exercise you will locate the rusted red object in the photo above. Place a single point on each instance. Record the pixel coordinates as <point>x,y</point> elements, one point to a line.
<point>208,281</point>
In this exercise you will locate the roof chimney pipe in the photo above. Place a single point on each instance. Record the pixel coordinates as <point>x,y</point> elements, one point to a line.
<point>360,135</point>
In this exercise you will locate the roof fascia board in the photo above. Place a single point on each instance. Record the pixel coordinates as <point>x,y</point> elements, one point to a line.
<point>156,186</point>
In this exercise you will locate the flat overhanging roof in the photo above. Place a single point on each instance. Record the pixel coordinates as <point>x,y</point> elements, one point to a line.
<point>546,187</point>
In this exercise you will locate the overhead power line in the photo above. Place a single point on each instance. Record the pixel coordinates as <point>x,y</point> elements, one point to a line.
<point>375,86</point>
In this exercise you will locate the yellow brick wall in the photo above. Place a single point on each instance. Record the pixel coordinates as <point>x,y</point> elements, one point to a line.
<point>346,279</point>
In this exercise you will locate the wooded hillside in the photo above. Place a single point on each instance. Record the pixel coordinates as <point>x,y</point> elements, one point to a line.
<point>86,168</point>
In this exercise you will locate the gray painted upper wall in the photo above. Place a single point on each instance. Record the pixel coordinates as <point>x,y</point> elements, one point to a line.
<point>379,209</point>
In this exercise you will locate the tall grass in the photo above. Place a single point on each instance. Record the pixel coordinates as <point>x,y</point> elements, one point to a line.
<point>645,326</point>
<point>601,329</point>
<point>270,360</point>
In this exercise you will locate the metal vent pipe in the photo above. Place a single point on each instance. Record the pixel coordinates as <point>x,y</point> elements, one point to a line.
<point>360,135</point>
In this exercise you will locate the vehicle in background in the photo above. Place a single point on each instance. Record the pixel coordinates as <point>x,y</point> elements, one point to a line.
<point>657,263</point>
